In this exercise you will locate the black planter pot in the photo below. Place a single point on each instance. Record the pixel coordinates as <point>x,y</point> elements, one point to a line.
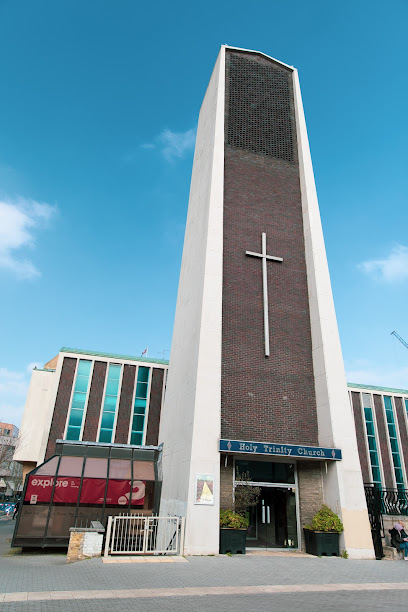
<point>322,543</point>
<point>232,541</point>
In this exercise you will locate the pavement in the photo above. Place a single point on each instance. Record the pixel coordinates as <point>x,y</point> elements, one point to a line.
<point>282,583</point>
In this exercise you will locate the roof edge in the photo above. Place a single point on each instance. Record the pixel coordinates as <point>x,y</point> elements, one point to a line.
<point>66,349</point>
<point>260,53</point>
<point>376,388</point>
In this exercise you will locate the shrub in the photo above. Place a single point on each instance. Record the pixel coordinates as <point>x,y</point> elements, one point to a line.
<point>325,520</point>
<point>231,520</point>
<point>245,496</point>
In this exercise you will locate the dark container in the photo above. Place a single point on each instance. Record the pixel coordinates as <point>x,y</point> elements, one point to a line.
<point>322,543</point>
<point>232,541</point>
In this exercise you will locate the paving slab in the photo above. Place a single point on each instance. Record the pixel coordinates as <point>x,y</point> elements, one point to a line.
<point>43,581</point>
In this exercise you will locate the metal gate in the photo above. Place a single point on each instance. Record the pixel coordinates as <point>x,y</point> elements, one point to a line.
<point>144,535</point>
<point>373,499</point>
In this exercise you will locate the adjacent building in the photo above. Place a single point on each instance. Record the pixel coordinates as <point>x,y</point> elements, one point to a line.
<point>88,396</point>
<point>11,479</point>
<point>381,421</point>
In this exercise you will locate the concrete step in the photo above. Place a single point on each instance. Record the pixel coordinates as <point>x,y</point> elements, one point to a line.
<point>392,554</point>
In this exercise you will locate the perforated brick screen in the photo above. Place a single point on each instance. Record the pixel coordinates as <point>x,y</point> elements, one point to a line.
<point>259,110</point>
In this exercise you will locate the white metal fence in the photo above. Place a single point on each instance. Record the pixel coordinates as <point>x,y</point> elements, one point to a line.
<point>144,535</point>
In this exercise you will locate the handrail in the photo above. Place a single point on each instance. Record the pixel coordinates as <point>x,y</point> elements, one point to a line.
<point>392,501</point>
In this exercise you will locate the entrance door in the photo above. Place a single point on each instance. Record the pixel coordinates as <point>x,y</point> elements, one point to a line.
<point>272,523</point>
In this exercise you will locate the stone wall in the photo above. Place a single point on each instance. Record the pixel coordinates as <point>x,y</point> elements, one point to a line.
<point>311,498</point>
<point>84,544</point>
<point>226,484</point>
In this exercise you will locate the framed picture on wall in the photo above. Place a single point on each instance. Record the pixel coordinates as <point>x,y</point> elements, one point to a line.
<point>204,489</point>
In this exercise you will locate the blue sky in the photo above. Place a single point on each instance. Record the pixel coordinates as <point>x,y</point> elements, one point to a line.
<point>98,111</point>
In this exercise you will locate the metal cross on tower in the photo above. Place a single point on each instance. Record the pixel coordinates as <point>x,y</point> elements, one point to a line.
<point>264,257</point>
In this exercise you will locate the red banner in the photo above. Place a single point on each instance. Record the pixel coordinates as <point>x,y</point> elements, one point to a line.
<point>119,492</point>
<point>39,489</point>
<point>66,490</point>
<point>93,491</point>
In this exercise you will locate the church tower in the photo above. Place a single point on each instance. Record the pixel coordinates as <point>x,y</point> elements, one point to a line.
<point>256,385</point>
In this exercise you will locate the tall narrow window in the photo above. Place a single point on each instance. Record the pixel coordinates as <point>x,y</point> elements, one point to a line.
<point>76,415</point>
<point>406,405</point>
<point>372,443</point>
<point>392,432</point>
<point>110,403</point>
<point>139,409</point>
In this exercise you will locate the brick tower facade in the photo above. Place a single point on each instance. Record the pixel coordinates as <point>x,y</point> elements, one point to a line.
<point>256,360</point>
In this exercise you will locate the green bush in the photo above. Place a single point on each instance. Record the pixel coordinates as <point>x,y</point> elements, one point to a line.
<point>231,520</point>
<point>325,520</point>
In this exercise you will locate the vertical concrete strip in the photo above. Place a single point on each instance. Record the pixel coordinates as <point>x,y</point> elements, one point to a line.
<point>343,484</point>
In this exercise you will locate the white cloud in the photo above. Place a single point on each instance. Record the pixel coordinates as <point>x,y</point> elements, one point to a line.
<point>393,269</point>
<point>18,222</point>
<point>172,145</point>
<point>32,365</point>
<point>13,383</point>
<point>176,144</point>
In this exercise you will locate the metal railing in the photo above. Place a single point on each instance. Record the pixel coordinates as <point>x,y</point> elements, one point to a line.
<point>144,535</point>
<point>86,520</point>
<point>394,501</point>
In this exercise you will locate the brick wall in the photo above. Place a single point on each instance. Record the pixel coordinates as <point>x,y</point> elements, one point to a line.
<point>263,398</point>
<point>382,440</point>
<point>226,483</point>
<point>125,405</point>
<point>84,544</point>
<point>361,435</point>
<point>61,404</point>
<point>400,409</point>
<point>94,401</point>
<point>310,492</point>
<point>156,394</point>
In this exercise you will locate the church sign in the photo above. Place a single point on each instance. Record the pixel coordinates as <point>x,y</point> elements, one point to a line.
<point>281,450</point>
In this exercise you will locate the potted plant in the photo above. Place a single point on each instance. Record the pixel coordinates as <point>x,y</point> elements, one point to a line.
<point>234,523</point>
<point>322,535</point>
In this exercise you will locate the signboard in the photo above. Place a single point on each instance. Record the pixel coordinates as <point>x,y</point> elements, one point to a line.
<point>39,490</point>
<point>280,450</point>
<point>204,489</point>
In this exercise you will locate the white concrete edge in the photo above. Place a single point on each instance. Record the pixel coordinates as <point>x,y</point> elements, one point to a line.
<point>360,553</point>
<point>269,57</point>
<point>210,341</point>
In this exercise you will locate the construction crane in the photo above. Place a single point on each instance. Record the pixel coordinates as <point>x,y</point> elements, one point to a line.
<point>394,333</point>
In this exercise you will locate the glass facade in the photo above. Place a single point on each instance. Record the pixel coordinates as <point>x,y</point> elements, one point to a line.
<point>139,408</point>
<point>76,416</point>
<point>372,443</point>
<point>392,432</point>
<point>83,484</point>
<point>266,471</point>
<point>272,521</point>
<point>110,403</point>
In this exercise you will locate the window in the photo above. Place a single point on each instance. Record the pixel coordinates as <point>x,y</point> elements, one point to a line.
<point>6,432</point>
<point>372,443</point>
<point>110,403</point>
<point>392,432</point>
<point>78,400</point>
<point>139,408</point>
